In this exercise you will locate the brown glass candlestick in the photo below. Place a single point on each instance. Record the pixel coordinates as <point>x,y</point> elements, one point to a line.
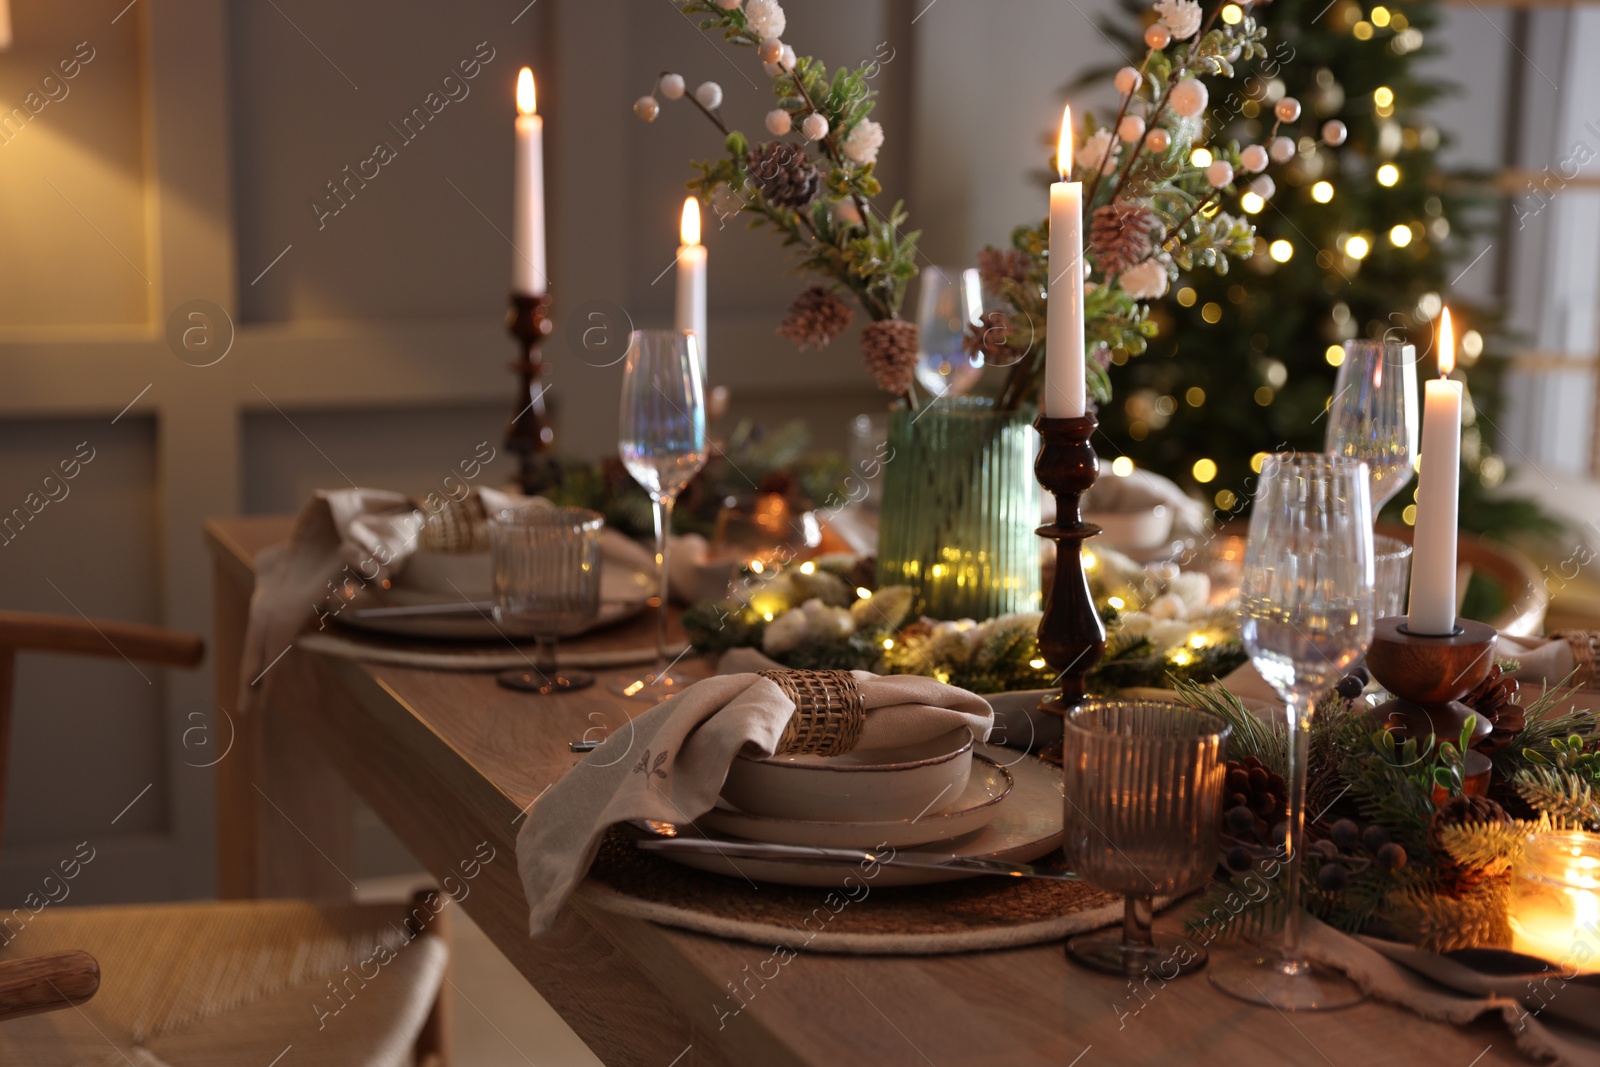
<point>528,431</point>
<point>1428,677</point>
<point>1071,636</point>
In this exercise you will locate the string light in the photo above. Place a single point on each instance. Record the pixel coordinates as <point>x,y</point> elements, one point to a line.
<point>1362,30</point>
<point>1195,396</point>
<point>1322,192</point>
<point>1281,251</point>
<point>1388,175</point>
<point>1264,395</point>
<point>1357,246</point>
<point>1258,461</point>
<point>1122,466</point>
<point>1225,499</point>
<point>1379,16</point>
<point>1334,354</point>
<point>1212,312</point>
<point>1200,157</point>
<point>1186,297</point>
<point>1383,96</point>
<point>1400,236</point>
<point>1204,470</point>
<point>1252,203</point>
<point>1232,14</point>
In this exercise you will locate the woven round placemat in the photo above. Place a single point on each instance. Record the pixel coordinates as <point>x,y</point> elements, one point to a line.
<point>857,918</point>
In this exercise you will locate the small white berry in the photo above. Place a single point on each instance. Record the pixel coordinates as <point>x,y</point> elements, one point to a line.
<point>1281,149</point>
<point>1157,140</point>
<point>671,86</point>
<point>815,127</point>
<point>710,95</point>
<point>1220,173</point>
<point>1130,129</point>
<point>779,122</point>
<point>1128,80</point>
<point>1157,36</point>
<point>1188,98</point>
<point>788,60</point>
<point>1287,109</point>
<point>770,50</point>
<point>1334,133</point>
<point>647,108</point>
<point>1254,159</point>
<point>1264,186</point>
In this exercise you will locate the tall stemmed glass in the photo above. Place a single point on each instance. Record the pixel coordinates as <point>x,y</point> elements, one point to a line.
<point>1373,413</point>
<point>1306,616</point>
<point>663,444</point>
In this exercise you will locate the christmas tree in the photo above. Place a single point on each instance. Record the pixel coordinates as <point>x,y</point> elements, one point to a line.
<point>1359,242</point>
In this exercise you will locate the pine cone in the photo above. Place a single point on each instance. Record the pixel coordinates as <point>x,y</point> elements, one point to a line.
<point>1461,811</point>
<point>1120,235</point>
<point>815,318</point>
<point>997,266</point>
<point>990,338</point>
<point>784,174</point>
<point>1495,700</point>
<point>889,348</point>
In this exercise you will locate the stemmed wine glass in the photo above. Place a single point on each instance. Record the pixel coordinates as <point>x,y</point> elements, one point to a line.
<point>1306,616</point>
<point>1373,413</point>
<point>663,443</point>
<point>949,305</point>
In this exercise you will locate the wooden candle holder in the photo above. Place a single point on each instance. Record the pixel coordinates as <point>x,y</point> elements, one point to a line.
<point>1072,639</point>
<point>1428,677</point>
<point>528,431</point>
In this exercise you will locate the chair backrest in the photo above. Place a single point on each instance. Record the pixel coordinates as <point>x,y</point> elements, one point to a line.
<point>82,636</point>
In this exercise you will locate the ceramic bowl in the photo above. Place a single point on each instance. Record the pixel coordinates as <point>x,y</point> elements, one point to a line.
<point>867,785</point>
<point>979,803</point>
<point>1131,531</point>
<point>451,574</point>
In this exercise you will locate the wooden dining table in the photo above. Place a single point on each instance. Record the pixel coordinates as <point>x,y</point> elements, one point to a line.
<point>453,763</point>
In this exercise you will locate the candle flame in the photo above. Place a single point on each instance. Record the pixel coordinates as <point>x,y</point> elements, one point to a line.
<point>689,228</point>
<point>1064,144</point>
<point>527,98</point>
<point>1447,344</point>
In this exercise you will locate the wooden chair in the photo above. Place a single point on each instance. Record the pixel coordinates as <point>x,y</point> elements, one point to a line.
<point>193,984</point>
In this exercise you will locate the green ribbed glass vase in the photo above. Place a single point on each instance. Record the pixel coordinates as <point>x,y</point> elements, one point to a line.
<point>960,506</point>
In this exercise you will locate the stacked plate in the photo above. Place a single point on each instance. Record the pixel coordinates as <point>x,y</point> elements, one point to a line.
<point>948,795</point>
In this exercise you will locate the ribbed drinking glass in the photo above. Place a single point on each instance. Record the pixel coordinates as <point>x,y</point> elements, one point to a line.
<point>1143,782</point>
<point>546,586</point>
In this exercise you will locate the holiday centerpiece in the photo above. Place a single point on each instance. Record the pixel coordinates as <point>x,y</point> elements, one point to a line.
<point>1414,839</point>
<point>959,504</point>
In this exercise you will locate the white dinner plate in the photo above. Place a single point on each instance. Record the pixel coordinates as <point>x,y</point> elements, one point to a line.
<point>624,589</point>
<point>1026,827</point>
<point>986,791</point>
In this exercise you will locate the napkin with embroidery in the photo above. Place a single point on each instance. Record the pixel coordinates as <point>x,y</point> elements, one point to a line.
<point>669,763</point>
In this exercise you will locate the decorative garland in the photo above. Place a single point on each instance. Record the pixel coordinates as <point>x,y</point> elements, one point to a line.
<point>1405,841</point>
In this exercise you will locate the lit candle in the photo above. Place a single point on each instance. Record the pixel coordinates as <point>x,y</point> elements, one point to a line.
<point>1555,900</point>
<point>1063,353</point>
<point>691,308</point>
<point>1433,560</point>
<point>527,204</point>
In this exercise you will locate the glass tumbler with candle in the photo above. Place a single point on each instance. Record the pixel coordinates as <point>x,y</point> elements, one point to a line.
<point>1143,783</point>
<point>546,564</point>
<point>1555,900</point>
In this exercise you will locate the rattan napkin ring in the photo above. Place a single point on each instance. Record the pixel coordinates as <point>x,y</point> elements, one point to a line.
<point>1585,645</point>
<point>829,712</point>
<point>459,526</point>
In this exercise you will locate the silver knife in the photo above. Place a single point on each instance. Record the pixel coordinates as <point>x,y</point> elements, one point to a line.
<point>761,850</point>
<point>412,611</point>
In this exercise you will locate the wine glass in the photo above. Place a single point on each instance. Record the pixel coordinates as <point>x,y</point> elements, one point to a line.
<point>1143,785</point>
<point>949,304</point>
<point>1306,616</point>
<point>547,584</point>
<point>663,444</point>
<point>1373,413</point>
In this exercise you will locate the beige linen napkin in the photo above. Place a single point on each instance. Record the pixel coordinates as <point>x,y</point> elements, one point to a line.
<point>344,540</point>
<point>669,764</point>
<point>1383,979</point>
